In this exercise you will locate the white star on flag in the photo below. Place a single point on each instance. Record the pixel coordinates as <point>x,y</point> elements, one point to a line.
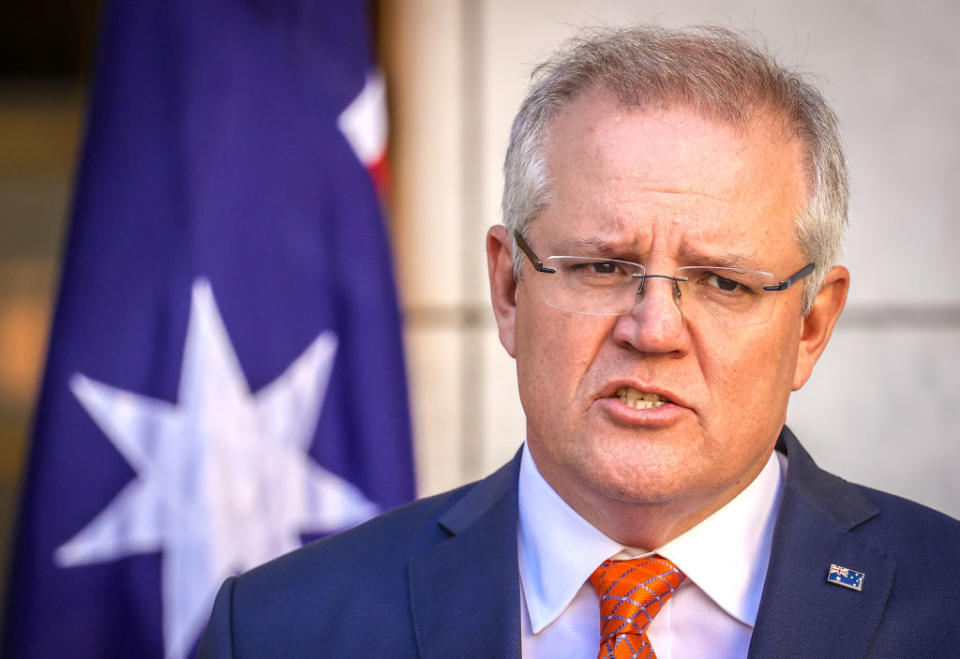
<point>224,480</point>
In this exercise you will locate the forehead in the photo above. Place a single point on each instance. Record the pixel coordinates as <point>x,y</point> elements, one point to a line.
<point>624,175</point>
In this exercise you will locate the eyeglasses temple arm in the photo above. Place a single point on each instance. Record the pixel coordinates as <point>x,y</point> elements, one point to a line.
<point>793,279</point>
<point>536,262</point>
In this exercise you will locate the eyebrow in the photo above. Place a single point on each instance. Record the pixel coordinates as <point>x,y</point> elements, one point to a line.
<point>729,260</point>
<point>689,255</point>
<point>595,246</point>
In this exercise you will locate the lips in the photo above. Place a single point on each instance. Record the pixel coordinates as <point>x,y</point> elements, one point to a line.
<point>641,395</point>
<point>636,404</point>
<point>639,400</point>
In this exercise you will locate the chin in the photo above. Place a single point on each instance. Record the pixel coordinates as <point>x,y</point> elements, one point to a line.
<point>643,493</point>
<point>641,482</point>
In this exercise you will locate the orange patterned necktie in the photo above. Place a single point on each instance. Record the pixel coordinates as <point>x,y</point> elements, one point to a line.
<point>631,593</point>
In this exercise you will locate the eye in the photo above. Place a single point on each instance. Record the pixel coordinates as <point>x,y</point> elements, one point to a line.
<point>594,267</point>
<point>596,272</point>
<point>723,283</point>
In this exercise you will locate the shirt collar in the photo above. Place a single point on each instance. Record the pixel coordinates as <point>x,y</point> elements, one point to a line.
<point>726,555</point>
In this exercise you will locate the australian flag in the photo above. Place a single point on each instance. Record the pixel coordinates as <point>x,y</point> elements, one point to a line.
<point>844,576</point>
<point>225,377</point>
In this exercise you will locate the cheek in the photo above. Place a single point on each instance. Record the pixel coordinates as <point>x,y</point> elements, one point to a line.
<point>749,379</point>
<point>554,353</point>
<point>535,369</point>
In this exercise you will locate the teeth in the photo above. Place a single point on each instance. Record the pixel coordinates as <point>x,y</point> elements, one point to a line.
<point>639,400</point>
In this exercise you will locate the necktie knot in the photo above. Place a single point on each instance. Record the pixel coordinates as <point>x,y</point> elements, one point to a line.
<point>631,593</point>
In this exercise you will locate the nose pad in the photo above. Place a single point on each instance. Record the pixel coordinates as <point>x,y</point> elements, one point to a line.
<point>677,292</point>
<point>655,323</point>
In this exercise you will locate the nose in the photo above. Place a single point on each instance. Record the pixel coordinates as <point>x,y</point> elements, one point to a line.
<point>655,324</point>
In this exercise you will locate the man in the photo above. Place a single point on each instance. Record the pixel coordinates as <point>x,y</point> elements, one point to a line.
<point>673,206</point>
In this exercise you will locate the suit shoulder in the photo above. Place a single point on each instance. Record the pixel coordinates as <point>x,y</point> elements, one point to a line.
<point>921,543</point>
<point>919,539</point>
<point>912,523</point>
<point>377,544</point>
<point>330,593</point>
<point>888,521</point>
<point>379,549</point>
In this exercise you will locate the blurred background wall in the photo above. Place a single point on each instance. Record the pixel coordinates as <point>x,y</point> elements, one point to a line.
<point>883,407</point>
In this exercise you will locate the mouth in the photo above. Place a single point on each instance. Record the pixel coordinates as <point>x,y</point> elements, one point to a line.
<point>639,400</point>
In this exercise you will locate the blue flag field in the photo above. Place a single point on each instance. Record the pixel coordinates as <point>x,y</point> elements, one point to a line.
<point>225,376</point>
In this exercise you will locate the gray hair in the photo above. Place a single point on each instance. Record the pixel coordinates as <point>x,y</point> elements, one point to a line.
<point>712,70</point>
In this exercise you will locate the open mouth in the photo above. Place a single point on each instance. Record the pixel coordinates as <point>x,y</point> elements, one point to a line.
<point>639,400</point>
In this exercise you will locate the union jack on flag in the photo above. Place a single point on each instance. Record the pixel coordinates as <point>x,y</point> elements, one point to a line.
<point>844,576</point>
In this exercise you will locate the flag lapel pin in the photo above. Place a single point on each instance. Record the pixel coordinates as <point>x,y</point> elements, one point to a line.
<point>844,576</point>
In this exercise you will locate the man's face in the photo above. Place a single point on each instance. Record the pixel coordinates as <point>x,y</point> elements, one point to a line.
<point>664,189</point>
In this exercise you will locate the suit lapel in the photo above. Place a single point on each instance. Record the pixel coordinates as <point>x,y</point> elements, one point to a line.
<point>801,614</point>
<point>464,591</point>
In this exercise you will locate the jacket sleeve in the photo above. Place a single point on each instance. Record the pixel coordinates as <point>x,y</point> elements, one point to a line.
<point>217,639</point>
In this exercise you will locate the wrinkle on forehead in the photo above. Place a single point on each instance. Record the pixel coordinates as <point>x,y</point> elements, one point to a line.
<point>687,253</point>
<point>681,191</point>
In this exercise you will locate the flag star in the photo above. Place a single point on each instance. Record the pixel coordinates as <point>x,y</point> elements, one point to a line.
<point>224,481</point>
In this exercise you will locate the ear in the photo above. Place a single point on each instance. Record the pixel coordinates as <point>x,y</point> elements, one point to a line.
<point>818,325</point>
<point>503,287</point>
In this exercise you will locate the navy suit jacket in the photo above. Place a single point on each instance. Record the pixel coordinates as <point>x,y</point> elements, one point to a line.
<point>439,578</point>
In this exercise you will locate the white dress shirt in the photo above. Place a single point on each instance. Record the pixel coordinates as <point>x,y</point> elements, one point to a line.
<point>711,615</point>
